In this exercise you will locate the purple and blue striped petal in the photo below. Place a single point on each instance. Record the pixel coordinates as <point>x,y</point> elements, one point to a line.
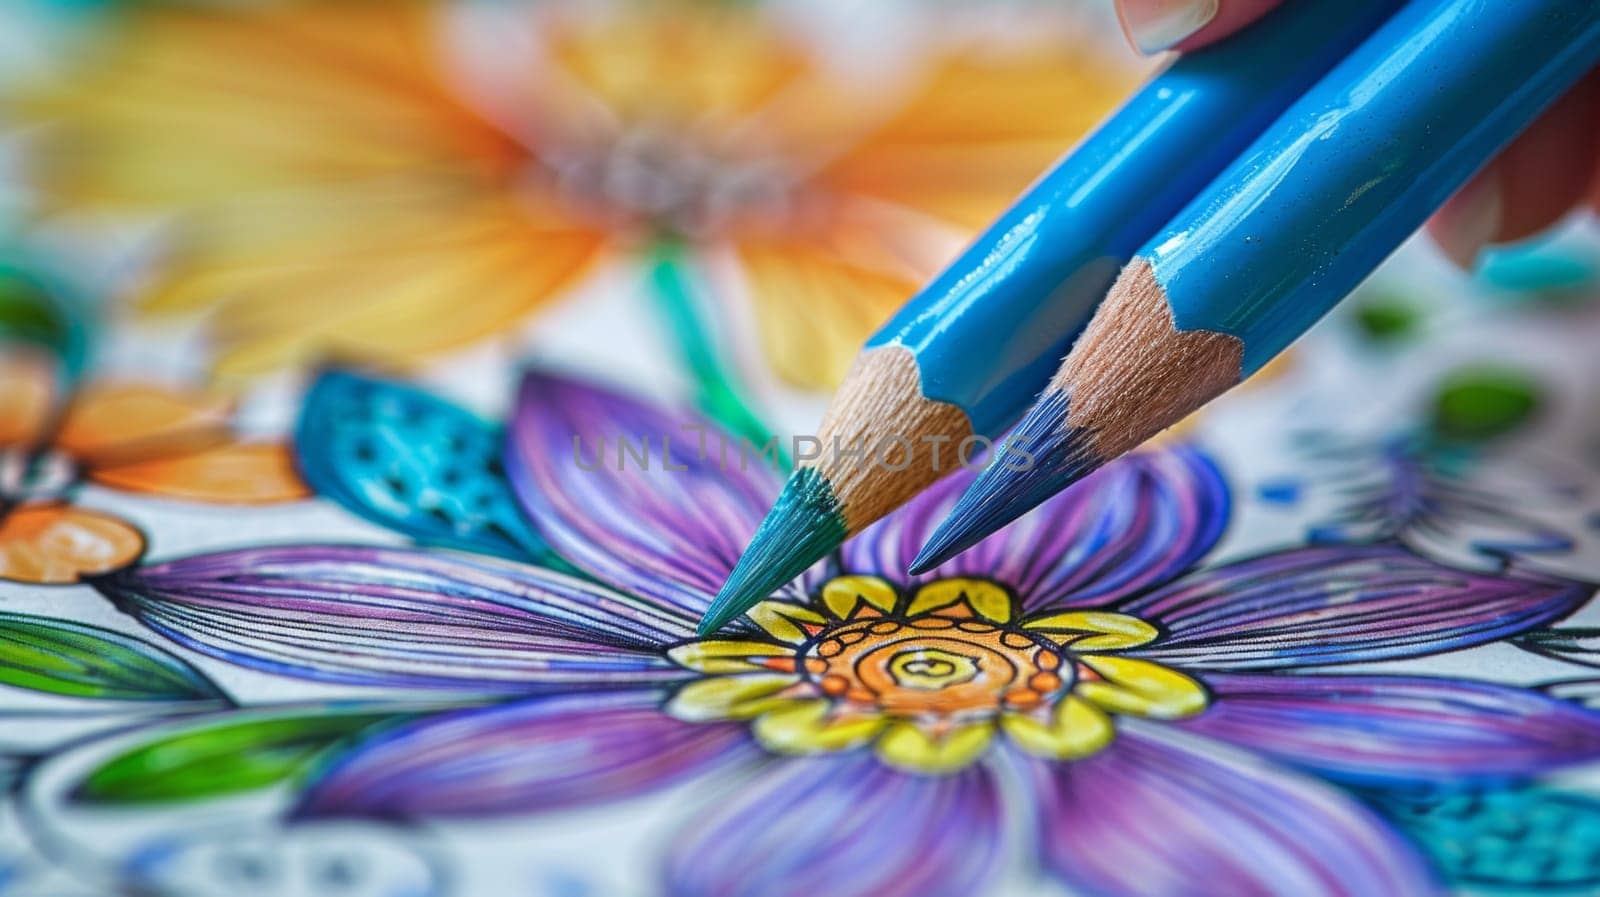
<point>844,825</point>
<point>1342,604</point>
<point>1160,813</point>
<point>1134,525</point>
<point>530,756</point>
<point>671,535</point>
<point>1388,729</point>
<point>403,618</point>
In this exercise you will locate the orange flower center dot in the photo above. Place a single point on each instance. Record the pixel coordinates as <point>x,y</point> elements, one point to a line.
<point>934,666</point>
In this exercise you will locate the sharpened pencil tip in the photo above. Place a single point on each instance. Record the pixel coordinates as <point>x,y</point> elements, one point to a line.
<point>803,526</point>
<point>1005,490</point>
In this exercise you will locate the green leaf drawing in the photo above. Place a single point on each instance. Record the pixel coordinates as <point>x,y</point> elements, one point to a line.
<point>222,756</point>
<point>35,312</point>
<point>72,659</point>
<point>1386,319</point>
<point>1476,404</point>
<point>1518,837</point>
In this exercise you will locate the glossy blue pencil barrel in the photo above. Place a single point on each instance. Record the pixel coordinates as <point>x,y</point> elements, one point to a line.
<point>965,357</point>
<point>1360,162</point>
<point>989,331</point>
<point>1326,193</point>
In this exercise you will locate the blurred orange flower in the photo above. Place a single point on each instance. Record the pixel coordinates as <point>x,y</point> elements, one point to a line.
<point>134,438</point>
<point>336,188</point>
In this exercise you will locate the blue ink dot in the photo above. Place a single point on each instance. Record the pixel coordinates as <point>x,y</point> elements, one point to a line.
<point>1279,492</point>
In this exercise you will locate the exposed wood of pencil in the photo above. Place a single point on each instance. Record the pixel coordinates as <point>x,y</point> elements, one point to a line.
<point>1133,373</point>
<point>881,399</point>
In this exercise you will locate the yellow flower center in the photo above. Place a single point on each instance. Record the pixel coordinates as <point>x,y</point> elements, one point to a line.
<point>930,677</point>
<point>664,176</point>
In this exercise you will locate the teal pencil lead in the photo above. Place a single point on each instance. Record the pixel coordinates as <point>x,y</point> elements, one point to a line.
<point>1006,490</point>
<point>804,525</point>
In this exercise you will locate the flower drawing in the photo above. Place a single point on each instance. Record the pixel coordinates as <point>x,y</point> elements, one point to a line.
<point>1081,685</point>
<point>338,180</point>
<point>127,436</point>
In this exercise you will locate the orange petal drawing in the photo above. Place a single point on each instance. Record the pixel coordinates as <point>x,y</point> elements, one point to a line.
<point>26,389</point>
<point>238,473</point>
<point>112,423</point>
<point>981,129</point>
<point>55,544</point>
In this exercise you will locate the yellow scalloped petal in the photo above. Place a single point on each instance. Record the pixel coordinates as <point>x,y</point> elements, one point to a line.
<point>784,621</point>
<point>985,598</point>
<point>1093,630</point>
<point>730,697</point>
<point>906,746</point>
<point>1075,729</point>
<point>1141,688</point>
<point>807,728</point>
<point>721,656</point>
<point>843,594</point>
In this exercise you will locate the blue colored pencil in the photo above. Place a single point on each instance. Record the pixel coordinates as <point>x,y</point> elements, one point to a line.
<point>1309,210</point>
<point>969,352</point>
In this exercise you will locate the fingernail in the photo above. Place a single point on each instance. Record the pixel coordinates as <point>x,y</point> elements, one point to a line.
<point>1156,25</point>
<point>1473,222</point>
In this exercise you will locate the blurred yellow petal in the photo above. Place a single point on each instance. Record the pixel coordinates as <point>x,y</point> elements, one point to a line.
<point>124,422</point>
<point>1141,688</point>
<point>981,128</point>
<point>814,310</point>
<point>679,62</point>
<point>60,544</point>
<point>908,747</point>
<point>238,473</point>
<point>328,191</point>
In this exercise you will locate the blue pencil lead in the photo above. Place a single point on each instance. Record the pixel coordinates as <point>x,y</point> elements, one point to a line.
<point>1009,488</point>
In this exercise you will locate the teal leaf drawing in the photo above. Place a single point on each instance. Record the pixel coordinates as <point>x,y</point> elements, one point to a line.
<point>414,463</point>
<point>1515,837</point>
<point>75,660</point>
<point>223,755</point>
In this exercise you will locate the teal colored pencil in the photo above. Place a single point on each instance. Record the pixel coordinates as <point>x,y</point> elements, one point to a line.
<point>966,355</point>
<point>1307,212</point>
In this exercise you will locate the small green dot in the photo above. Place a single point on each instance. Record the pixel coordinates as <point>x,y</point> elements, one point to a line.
<point>1481,403</point>
<point>1386,319</point>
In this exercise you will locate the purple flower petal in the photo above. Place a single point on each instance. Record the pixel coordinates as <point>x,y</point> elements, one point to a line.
<point>403,618</point>
<point>525,757</point>
<point>843,825</point>
<point>669,535</point>
<point>1394,728</point>
<point>1342,604</point>
<point>1162,814</point>
<point>1135,524</point>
